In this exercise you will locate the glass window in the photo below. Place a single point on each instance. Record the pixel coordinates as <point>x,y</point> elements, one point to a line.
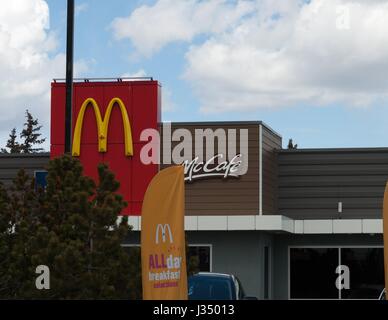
<point>199,258</point>
<point>40,179</point>
<point>366,268</point>
<point>312,273</point>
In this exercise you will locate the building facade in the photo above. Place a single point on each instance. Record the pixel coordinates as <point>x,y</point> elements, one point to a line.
<point>286,224</point>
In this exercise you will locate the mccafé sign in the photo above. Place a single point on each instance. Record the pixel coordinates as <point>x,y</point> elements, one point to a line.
<point>108,118</point>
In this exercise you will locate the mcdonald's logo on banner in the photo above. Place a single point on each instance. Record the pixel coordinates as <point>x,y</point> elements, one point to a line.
<point>102,126</point>
<point>163,228</point>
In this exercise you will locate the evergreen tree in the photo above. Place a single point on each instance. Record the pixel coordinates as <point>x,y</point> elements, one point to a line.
<point>69,227</point>
<point>31,135</point>
<point>12,144</point>
<point>5,239</point>
<point>291,145</point>
<point>135,273</point>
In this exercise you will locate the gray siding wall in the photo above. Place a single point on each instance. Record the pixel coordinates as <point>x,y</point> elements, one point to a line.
<point>312,182</point>
<point>10,164</point>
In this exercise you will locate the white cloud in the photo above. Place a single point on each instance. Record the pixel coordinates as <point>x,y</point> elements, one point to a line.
<point>168,104</point>
<point>138,74</point>
<point>269,54</point>
<point>289,53</point>
<point>28,63</point>
<point>150,28</point>
<point>82,7</point>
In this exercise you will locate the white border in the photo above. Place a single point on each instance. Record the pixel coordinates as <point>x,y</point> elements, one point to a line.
<point>277,223</point>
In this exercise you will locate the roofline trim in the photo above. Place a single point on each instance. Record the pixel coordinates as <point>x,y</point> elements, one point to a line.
<point>224,123</point>
<point>25,155</point>
<point>334,150</point>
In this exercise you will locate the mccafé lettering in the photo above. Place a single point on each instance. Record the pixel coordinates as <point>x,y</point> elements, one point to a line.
<point>196,169</point>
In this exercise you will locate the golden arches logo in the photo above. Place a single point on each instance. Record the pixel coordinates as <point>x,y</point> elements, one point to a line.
<point>102,126</point>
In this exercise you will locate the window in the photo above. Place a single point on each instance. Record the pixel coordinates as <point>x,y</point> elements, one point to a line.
<point>199,258</point>
<point>40,179</point>
<point>366,267</point>
<point>313,272</point>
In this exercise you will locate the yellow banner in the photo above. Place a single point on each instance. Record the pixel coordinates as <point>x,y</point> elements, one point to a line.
<point>163,256</point>
<point>385,235</point>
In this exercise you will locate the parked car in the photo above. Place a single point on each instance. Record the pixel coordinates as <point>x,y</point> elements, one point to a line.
<point>216,286</point>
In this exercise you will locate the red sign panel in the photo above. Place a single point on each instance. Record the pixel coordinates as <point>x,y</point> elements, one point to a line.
<point>108,118</point>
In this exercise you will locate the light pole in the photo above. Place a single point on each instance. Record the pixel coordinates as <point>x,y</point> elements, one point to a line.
<point>69,74</point>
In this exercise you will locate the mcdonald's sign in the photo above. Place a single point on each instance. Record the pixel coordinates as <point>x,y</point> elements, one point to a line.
<point>102,126</point>
<point>108,118</point>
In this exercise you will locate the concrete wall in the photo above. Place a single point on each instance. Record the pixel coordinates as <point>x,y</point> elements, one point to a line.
<point>282,242</point>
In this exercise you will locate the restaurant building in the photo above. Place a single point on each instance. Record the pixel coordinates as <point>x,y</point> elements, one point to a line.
<point>284,225</point>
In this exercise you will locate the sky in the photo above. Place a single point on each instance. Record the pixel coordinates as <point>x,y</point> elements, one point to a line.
<point>314,71</point>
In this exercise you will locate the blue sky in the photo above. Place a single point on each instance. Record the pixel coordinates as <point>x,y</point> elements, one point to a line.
<point>312,71</point>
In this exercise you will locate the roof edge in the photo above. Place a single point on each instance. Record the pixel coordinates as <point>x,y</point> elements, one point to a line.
<point>334,150</point>
<point>224,123</point>
<point>25,155</point>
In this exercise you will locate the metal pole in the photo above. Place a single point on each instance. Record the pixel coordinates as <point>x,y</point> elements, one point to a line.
<point>69,74</point>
